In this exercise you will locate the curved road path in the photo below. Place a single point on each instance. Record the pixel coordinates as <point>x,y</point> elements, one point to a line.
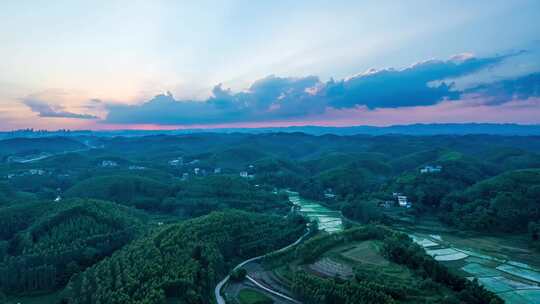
<point>219,286</point>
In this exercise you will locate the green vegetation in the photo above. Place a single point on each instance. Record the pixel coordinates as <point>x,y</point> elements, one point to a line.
<point>182,261</point>
<point>130,190</point>
<point>43,245</point>
<point>200,196</point>
<point>250,296</point>
<point>509,202</point>
<point>84,209</point>
<point>387,266</point>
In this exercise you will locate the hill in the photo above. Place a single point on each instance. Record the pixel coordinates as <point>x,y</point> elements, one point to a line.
<point>46,243</point>
<point>182,262</point>
<point>508,202</point>
<point>125,189</point>
<point>37,145</point>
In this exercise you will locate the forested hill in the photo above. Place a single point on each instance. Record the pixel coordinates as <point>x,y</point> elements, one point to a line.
<point>29,145</point>
<point>183,261</point>
<point>509,202</point>
<point>43,244</point>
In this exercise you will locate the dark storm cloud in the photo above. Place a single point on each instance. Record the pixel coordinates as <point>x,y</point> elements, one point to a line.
<point>46,110</point>
<point>276,98</point>
<point>517,88</point>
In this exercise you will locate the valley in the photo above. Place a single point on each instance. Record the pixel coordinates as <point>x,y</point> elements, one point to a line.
<point>382,224</point>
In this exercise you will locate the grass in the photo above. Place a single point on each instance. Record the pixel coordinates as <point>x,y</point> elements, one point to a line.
<point>250,296</point>
<point>365,252</point>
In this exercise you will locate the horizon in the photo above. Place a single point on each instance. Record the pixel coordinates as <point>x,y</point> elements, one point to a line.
<point>268,65</point>
<point>416,129</point>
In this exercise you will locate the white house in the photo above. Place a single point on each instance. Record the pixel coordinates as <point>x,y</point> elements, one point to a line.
<point>36,172</point>
<point>176,162</point>
<point>243,174</point>
<point>430,169</point>
<point>329,193</point>
<point>109,164</point>
<point>402,200</point>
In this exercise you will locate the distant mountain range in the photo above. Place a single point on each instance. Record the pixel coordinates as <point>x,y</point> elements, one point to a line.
<point>414,129</point>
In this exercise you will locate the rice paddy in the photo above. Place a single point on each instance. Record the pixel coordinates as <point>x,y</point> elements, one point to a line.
<point>327,220</point>
<point>515,282</point>
<point>520,272</point>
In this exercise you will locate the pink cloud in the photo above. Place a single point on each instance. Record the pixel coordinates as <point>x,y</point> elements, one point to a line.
<point>472,108</point>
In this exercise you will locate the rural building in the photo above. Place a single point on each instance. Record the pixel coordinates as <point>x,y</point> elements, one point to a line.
<point>402,200</point>
<point>176,162</point>
<point>430,169</point>
<point>109,164</point>
<point>329,193</point>
<point>36,172</point>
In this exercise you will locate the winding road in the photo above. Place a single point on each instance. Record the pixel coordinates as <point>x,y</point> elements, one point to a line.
<point>219,286</point>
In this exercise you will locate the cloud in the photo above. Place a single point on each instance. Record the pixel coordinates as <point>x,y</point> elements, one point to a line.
<point>45,109</point>
<point>516,88</point>
<point>286,98</point>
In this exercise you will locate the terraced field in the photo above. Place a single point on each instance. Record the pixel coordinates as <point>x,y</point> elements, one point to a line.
<point>515,282</point>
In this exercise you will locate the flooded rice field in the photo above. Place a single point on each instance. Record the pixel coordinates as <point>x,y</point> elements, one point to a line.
<point>327,219</point>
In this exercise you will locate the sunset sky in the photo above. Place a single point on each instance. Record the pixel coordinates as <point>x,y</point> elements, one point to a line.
<point>184,64</point>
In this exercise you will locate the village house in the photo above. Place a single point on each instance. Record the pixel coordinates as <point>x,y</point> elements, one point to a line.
<point>36,172</point>
<point>430,169</point>
<point>109,164</point>
<point>244,174</point>
<point>402,200</point>
<point>193,162</point>
<point>176,162</point>
<point>329,193</point>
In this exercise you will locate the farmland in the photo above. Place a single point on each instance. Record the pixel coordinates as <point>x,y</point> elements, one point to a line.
<point>495,267</point>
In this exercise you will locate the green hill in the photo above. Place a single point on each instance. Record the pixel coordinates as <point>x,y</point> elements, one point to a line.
<point>124,189</point>
<point>36,145</point>
<point>47,243</point>
<point>183,262</point>
<point>507,202</point>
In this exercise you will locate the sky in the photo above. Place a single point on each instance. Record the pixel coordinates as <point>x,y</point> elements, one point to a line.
<point>205,64</point>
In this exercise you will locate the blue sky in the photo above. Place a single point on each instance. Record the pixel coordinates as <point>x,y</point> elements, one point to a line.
<point>95,64</point>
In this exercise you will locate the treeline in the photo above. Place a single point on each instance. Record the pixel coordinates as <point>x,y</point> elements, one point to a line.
<point>182,261</point>
<point>60,240</point>
<point>400,249</point>
<point>313,289</point>
<point>132,190</point>
<point>197,197</point>
<point>189,198</point>
<point>509,202</point>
